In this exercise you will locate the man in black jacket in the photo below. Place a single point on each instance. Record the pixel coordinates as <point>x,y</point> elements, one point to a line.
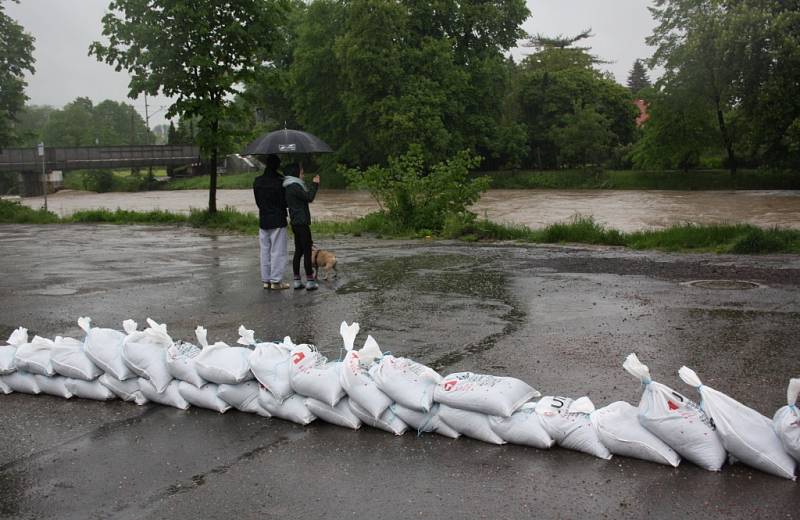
<point>271,200</point>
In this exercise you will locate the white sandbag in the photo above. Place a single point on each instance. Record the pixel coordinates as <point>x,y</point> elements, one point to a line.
<point>619,430</point>
<point>677,420</point>
<point>203,397</point>
<point>523,428</point>
<point>127,390</point>
<point>53,385</point>
<point>388,421</point>
<point>181,363</point>
<point>89,389</point>
<point>569,423</point>
<point>35,357</point>
<point>313,376</point>
<point>490,395</point>
<point>171,396</point>
<point>9,350</point>
<point>4,388</point>
<point>104,348</point>
<point>145,353</point>
<point>354,375</point>
<point>787,421</point>
<point>745,433</point>
<point>424,422</point>
<point>340,415</point>
<point>220,363</point>
<point>22,382</point>
<point>70,360</point>
<point>243,397</point>
<point>293,408</point>
<point>406,382</point>
<point>471,424</point>
<point>270,363</point>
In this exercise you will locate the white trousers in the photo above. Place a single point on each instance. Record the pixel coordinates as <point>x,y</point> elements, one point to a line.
<point>273,253</point>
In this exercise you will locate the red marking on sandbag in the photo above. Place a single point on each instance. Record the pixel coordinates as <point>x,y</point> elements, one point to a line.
<point>448,385</point>
<point>672,406</point>
<point>298,357</point>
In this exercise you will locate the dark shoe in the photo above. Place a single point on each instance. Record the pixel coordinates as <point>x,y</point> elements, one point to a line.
<point>277,286</point>
<point>298,284</point>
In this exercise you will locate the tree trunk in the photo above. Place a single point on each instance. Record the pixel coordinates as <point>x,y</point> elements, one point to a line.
<point>726,140</point>
<point>212,186</point>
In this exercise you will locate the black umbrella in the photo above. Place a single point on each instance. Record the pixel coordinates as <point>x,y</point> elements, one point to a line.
<point>287,141</point>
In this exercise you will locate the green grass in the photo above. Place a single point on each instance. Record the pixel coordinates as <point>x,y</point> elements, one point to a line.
<point>645,180</point>
<point>735,238</point>
<point>234,181</point>
<point>15,213</point>
<point>118,180</point>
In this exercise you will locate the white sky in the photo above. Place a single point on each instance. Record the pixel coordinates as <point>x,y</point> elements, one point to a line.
<point>64,29</point>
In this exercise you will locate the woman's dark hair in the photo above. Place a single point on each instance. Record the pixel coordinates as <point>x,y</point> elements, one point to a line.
<point>273,161</point>
<point>292,169</point>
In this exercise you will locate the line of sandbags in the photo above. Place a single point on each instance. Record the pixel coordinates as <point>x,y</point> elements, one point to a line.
<point>395,394</point>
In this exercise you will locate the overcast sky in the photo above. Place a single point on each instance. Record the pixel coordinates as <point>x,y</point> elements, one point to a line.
<point>64,29</point>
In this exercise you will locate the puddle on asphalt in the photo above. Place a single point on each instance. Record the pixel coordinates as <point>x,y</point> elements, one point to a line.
<point>434,279</point>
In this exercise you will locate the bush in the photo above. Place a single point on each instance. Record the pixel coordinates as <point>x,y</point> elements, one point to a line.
<point>101,181</point>
<point>419,198</point>
<point>15,213</point>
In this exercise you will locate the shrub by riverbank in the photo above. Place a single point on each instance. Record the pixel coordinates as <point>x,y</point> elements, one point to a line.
<point>645,180</point>
<point>735,238</point>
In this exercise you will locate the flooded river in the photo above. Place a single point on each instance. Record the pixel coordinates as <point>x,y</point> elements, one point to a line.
<point>626,210</point>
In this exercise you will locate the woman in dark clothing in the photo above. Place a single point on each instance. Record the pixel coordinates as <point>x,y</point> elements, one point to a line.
<point>298,197</point>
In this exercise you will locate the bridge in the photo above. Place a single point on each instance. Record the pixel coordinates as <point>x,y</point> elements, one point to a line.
<point>97,157</point>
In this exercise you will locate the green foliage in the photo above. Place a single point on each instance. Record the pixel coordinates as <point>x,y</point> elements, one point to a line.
<point>637,78</point>
<point>372,76</point>
<point>16,57</point>
<point>582,229</point>
<point>418,197</point>
<point>100,181</point>
<point>569,108</point>
<point>209,51</point>
<point>15,213</point>
<point>680,129</point>
<point>121,216</point>
<point>645,180</point>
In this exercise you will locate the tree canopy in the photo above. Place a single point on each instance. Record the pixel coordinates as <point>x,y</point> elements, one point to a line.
<point>16,57</point>
<point>199,52</point>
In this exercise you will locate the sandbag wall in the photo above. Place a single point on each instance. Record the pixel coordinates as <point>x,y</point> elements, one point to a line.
<point>297,383</point>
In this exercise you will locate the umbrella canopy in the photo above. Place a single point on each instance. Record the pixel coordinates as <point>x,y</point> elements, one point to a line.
<point>287,141</point>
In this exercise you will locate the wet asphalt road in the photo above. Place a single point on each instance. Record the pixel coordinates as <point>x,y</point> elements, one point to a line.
<point>560,318</point>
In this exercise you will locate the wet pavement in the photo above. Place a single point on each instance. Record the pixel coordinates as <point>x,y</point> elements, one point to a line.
<point>626,210</point>
<point>561,318</point>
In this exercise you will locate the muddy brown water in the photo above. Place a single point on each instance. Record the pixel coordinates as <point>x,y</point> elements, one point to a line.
<point>626,210</point>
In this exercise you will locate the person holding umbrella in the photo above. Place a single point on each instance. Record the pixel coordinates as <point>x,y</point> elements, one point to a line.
<point>298,197</point>
<point>271,201</point>
<point>296,194</point>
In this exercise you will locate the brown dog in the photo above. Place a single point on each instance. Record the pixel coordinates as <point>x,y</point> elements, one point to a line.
<point>326,260</point>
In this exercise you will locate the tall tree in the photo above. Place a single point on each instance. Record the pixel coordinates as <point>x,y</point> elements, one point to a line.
<point>561,92</point>
<point>695,45</point>
<point>16,57</point>
<point>197,51</point>
<point>637,78</point>
<point>375,76</point>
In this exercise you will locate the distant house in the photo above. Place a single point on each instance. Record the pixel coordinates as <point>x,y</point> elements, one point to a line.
<point>643,116</point>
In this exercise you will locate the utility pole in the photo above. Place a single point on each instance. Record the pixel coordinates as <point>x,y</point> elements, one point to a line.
<point>40,150</point>
<point>147,137</point>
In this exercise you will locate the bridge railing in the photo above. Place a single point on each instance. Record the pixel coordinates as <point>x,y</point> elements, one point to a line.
<point>98,157</point>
